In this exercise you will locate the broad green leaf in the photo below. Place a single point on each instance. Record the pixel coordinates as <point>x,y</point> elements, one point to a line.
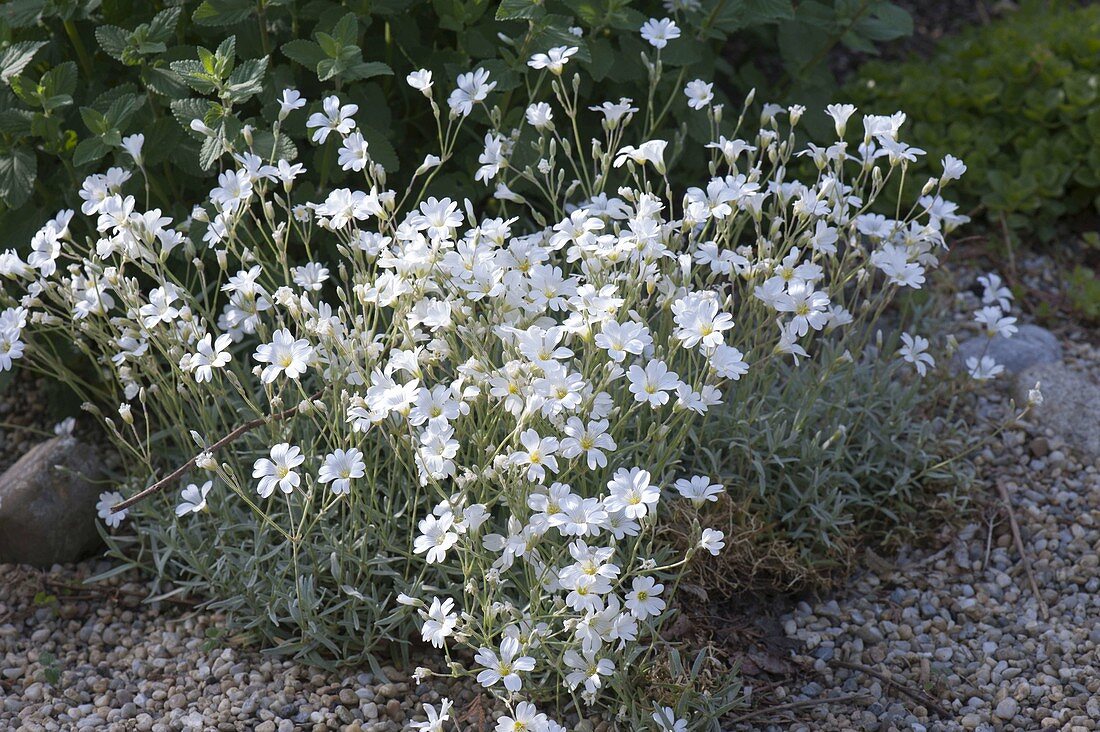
<point>18,169</point>
<point>519,10</point>
<point>366,70</point>
<point>22,13</point>
<point>61,79</point>
<point>307,53</point>
<point>195,74</point>
<point>162,80</point>
<point>163,25</point>
<point>89,151</point>
<point>16,57</point>
<point>15,122</point>
<point>95,121</point>
<point>114,41</point>
<point>346,30</point>
<point>212,149</point>
<point>223,12</point>
<point>246,80</point>
<point>186,110</point>
<point>122,109</point>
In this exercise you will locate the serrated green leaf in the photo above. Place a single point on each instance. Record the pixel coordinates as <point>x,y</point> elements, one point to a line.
<point>162,80</point>
<point>15,122</point>
<point>246,80</point>
<point>366,70</point>
<point>16,57</point>
<point>163,25</point>
<point>122,109</point>
<point>519,10</point>
<point>212,149</point>
<point>186,110</point>
<point>195,75</point>
<point>22,13</point>
<point>307,53</point>
<point>346,30</point>
<point>114,41</point>
<point>89,151</point>
<point>94,120</point>
<point>223,12</point>
<point>61,79</point>
<point>18,170</point>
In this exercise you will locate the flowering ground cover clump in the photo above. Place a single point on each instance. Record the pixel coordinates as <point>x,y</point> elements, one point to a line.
<point>370,415</point>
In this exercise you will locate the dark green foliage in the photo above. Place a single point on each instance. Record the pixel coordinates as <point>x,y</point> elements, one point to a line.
<point>79,75</point>
<point>1019,101</point>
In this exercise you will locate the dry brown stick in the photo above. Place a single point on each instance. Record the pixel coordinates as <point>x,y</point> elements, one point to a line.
<point>1002,488</point>
<point>862,696</point>
<point>108,591</point>
<point>918,696</point>
<point>231,437</point>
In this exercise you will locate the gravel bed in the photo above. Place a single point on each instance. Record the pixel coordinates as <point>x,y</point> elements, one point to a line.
<point>956,639</point>
<point>79,660</point>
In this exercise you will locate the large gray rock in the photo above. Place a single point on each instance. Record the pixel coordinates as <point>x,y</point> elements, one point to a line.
<point>1071,404</point>
<point>47,504</point>
<point>1029,346</point>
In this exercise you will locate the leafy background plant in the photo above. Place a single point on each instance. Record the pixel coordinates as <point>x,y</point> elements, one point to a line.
<point>1019,101</point>
<point>79,75</point>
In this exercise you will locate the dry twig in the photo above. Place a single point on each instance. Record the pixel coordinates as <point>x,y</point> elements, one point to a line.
<point>1002,488</point>
<point>916,695</point>
<point>843,699</point>
<point>231,437</point>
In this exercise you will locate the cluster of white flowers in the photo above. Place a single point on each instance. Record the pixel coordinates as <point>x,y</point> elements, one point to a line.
<point>532,385</point>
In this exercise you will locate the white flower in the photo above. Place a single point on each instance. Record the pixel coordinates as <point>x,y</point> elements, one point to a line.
<point>525,718</point>
<point>590,441</point>
<point>994,292</point>
<point>472,88</point>
<point>133,145</point>
<point>440,621</point>
<point>808,306</point>
<point>278,470</point>
<point>208,356</point>
<point>193,498</point>
<point>995,322</point>
<point>953,168</point>
<point>659,32</point>
<point>712,540</point>
<point>435,720</point>
<point>340,468</point>
<point>333,118</point>
<point>914,351</point>
<point>652,384</point>
<point>984,368</point>
<point>437,535</point>
<point>587,669</point>
<point>540,116</point>
<point>840,114</point>
<point>699,93</point>
<point>537,455</point>
<point>290,100</point>
<point>107,501</point>
<point>619,339</point>
<point>666,720</point>
<point>643,600</point>
<point>554,60</point>
<point>284,355</point>
<point>353,153</point>
<point>652,152</point>
<point>421,80</point>
<point>506,668</point>
<point>631,493</point>
<point>698,489</point>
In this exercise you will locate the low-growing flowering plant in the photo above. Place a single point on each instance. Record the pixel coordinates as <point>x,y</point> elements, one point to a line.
<point>471,425</point>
